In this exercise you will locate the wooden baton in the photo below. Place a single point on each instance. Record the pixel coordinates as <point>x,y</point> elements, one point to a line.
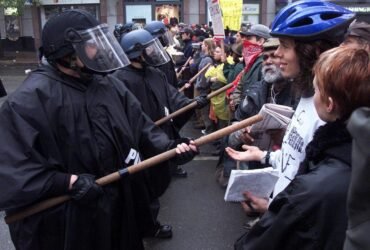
<point>41,206</point>
<point>192,105</point>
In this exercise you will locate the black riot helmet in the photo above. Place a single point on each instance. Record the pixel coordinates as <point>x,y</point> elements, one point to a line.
<point>159,30</point>
<point>77,32</point>
<point>139,43</point>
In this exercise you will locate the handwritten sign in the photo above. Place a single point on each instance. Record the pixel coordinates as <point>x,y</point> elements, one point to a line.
<point>232,13</point>
<point>216,16</point>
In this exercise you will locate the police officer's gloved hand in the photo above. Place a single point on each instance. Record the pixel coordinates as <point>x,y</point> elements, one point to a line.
<point>85,190</point>
<point>202,101</point>
<point>183,157</point>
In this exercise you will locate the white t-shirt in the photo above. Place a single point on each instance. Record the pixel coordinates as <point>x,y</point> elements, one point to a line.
<point>299,133</point>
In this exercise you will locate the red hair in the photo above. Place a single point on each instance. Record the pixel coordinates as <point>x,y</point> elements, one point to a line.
<point>343,74</point>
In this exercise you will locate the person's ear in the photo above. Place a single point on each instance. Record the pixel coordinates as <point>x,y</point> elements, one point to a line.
<point>330,106</point>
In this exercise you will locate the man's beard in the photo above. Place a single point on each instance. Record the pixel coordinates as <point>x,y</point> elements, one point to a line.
<point>271,73</point>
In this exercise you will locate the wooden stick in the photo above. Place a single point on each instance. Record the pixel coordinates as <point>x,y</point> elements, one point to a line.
<point>38,207</point>
<point>183,67</point>
<point>195,77</point>
<point>192,105</point>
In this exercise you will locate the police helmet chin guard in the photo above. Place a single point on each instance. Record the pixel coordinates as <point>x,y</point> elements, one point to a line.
<point>140,43</point>
<point>78,32</point>
<point>310,20</point>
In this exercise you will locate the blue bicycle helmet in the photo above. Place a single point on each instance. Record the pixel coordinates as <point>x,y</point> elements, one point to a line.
<point>312,20</point>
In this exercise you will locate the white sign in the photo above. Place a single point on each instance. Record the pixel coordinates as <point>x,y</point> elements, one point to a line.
<point>251,9</point>
<point>216,17</point>
<point>57,2</point>
<point>136,13</point>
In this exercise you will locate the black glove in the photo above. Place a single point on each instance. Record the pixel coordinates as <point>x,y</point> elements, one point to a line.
<point>202,101</point>
<point>183,158</point>
<point>85,190</point>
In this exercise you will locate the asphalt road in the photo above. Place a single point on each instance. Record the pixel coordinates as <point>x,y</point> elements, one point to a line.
<point>194,206</point>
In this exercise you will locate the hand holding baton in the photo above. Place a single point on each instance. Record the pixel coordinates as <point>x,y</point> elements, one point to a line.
<point>183,67</point>
<point>191,105</point>
<point>195,77</point>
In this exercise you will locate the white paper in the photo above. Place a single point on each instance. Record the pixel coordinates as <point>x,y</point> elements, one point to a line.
<point>275,116</point>
<point>259,182</point>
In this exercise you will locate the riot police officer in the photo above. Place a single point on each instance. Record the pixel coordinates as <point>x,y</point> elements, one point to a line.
<point>64,127</point>
<point>158,98</point>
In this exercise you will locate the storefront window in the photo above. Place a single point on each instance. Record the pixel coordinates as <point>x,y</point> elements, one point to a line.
<point>164,12</point>
<point>12,28</point>
<point>251,13</point>
<point>51,10</point>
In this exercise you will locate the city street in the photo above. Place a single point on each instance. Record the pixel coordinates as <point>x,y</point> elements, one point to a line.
<point>194,206</point>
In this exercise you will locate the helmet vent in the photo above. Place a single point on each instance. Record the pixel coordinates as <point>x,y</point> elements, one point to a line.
<point>329,16</point>
<point>302,22</point>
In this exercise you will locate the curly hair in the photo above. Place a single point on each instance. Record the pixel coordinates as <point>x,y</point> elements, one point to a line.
<point>308,53</point>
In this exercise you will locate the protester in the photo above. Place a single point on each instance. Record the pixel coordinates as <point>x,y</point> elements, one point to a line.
<point>231,70</point>
<point>215,76</point>
<point>274,88</point>
<point>300,46</point>
<point>66,125</point>
<point>357,237</point>
<point>253,39</point>
<point>358,35</point>
<point>311,212</point>
<point>202,87</point>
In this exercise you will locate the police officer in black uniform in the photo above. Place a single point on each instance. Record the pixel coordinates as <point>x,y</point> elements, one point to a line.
<point>65,126</point>
<point>158,99</point>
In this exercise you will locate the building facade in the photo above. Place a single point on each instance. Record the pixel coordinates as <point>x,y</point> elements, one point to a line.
<point>24,32</point>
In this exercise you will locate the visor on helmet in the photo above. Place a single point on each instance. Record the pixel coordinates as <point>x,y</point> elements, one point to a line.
<point>154,53</point>
<point>99,50</point>
<point>168,38</point>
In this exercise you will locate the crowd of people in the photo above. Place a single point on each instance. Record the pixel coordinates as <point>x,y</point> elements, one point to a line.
<point>91,109</point>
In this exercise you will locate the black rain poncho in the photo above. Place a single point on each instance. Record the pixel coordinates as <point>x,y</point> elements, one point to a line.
<point>54,126</point>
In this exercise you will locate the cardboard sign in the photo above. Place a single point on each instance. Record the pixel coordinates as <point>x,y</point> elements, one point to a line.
<point>216,16</point>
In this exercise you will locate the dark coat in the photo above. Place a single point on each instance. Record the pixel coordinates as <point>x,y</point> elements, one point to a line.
<point>257,94</point>
<point>169,70</point>
<point>311,212</point>
<point>357,237</point>
<point>158,99</point>
<point>55,126</point>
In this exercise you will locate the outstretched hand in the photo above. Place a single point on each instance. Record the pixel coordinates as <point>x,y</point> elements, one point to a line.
<point>252,153</point>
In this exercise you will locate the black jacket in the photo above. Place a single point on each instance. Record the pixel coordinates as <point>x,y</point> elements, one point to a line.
<point>357,237</point>
<point>55,126</point>
<point>169,70</point>
<point>257,93</point>
<point>311,212</point>
<point>158,99</point>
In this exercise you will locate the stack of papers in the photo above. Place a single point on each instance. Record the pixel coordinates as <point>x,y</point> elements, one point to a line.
<point>259,182</point>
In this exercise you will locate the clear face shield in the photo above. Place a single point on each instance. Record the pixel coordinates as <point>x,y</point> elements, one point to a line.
<point>154,53</point>
<point>99,50</point>
<point>168,38</point>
